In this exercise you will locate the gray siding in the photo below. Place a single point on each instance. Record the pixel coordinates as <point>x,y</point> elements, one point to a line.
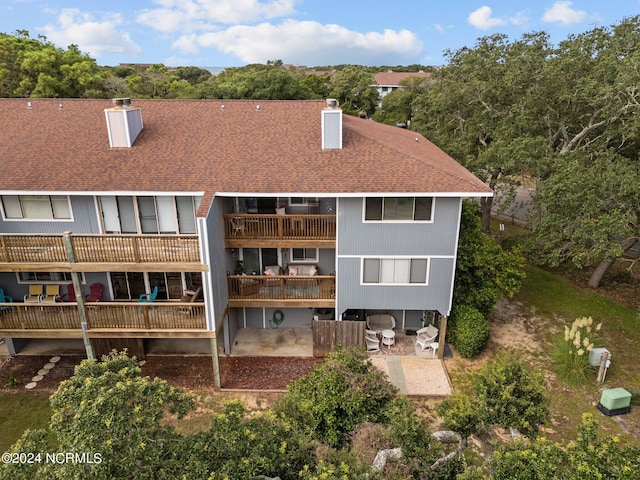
<point>257,317</point>
<point>359,238</point>
<point>436,240</point>
<point>218,257</point>
<point>85,220</point>
<point>435,296</point>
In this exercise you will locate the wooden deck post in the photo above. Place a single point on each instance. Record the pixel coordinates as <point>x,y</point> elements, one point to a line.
<point>442,336</point>
<point>77,287</point>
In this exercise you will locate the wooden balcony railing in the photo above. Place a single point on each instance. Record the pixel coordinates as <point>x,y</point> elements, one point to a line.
<point>280,227</point>
<point>90,248</point>
<point>146,316</point>
<point>169,316</point>
<point>282,287</point>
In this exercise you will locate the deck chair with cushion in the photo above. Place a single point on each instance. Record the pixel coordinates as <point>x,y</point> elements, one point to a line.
<point>426,336</point>
<point>35,294</point>
<point>52,293</point>
<point>5,299</point>
<point>372,341</point>
<point>148,297</point>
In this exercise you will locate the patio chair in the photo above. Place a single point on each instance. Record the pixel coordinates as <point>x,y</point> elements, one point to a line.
<point>372,341</point>
<point>426,336</point>
<point>147,297</point>
<point>191,299</point>
<point>5,299</point>
<point>95,293</point>
<point>35,294</point>
<point>70,296</point>
<point>52,293</point>
<point>238,225</point>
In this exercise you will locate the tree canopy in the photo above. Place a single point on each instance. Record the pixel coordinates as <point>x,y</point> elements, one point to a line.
<point>565,116</point>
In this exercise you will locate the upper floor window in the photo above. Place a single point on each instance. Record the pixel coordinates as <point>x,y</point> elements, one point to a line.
<point>47,277</point>
<point>36,207</point>
<point>398,209</point>
<point>147,214</point>
<point>302,200</point>
<point>408,271</point>
<point>304,254</point>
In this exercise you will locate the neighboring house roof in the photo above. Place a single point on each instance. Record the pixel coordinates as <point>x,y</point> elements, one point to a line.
<point>197,146</point>
<point>393,79</point>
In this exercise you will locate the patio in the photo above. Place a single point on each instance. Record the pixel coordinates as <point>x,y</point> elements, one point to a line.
<point>414,372</point>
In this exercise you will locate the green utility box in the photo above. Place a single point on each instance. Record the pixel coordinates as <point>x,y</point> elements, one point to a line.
<point>615,401</point>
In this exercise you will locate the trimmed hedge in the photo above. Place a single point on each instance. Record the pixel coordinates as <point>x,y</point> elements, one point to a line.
<point>470,330</point>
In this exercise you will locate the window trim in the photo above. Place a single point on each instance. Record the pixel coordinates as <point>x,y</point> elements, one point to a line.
<point>29,219</point>
<point>83,279</point>
<point>316,259</point>
<point>364,211</point>
<point>305,204</point>
<point>396,257</point>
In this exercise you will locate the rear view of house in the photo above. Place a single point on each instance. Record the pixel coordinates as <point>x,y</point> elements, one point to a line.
<point>229,214</point>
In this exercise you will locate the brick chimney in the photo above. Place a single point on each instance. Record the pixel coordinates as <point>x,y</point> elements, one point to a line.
<point>124,123</point>
<point>332,125</point>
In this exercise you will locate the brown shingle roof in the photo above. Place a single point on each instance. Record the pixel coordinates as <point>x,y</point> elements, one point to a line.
<point>195,146</point>
<point>393,79</point>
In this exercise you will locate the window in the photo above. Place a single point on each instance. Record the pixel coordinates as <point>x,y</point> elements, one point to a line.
<point>395,270</point>
<point>302,200</point>
<point>47,277</point>
<point>391,209</point>
<point>159,214</point>
<point>304,254</point>
<point>36,207</point>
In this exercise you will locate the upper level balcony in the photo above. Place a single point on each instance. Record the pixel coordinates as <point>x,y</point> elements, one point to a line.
<point>95,253</point>
<point>283,231</point>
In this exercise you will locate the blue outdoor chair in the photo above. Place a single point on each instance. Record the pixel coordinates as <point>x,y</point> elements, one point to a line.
<point>5,299</point>
<point>148,297</point>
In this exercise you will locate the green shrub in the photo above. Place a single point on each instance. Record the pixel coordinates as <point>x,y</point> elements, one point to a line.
<point>510,393</point>
<point>338,395</point>
<point>470,330</point>
<point>460,414</point>
<point>570,352</point>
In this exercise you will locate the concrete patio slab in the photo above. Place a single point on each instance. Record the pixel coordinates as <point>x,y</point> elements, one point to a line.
<point>275,342</point>
<point>414,375</point>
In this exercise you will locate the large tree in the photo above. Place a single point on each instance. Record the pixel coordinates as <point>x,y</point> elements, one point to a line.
<point>477,109</point>
<point>36,68</point>
<point>567,116</point>
<point>587,207</point>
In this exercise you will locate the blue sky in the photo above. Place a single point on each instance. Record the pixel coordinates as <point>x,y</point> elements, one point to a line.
<point>301,32</point>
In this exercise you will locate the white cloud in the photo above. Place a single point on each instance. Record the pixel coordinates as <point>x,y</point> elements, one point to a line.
<point>439,28</point>
<point>308,43</point>
<point>482,19</point>
<point>96,37</point>
<point>563,13</point>
<point>191,15</point>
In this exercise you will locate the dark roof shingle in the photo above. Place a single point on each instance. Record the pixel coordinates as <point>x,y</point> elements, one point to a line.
<point>195,146</point>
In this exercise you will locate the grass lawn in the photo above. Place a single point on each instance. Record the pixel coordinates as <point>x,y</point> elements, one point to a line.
<point>558,303</point>
<point>19,411</point>
<point>553,297</point>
